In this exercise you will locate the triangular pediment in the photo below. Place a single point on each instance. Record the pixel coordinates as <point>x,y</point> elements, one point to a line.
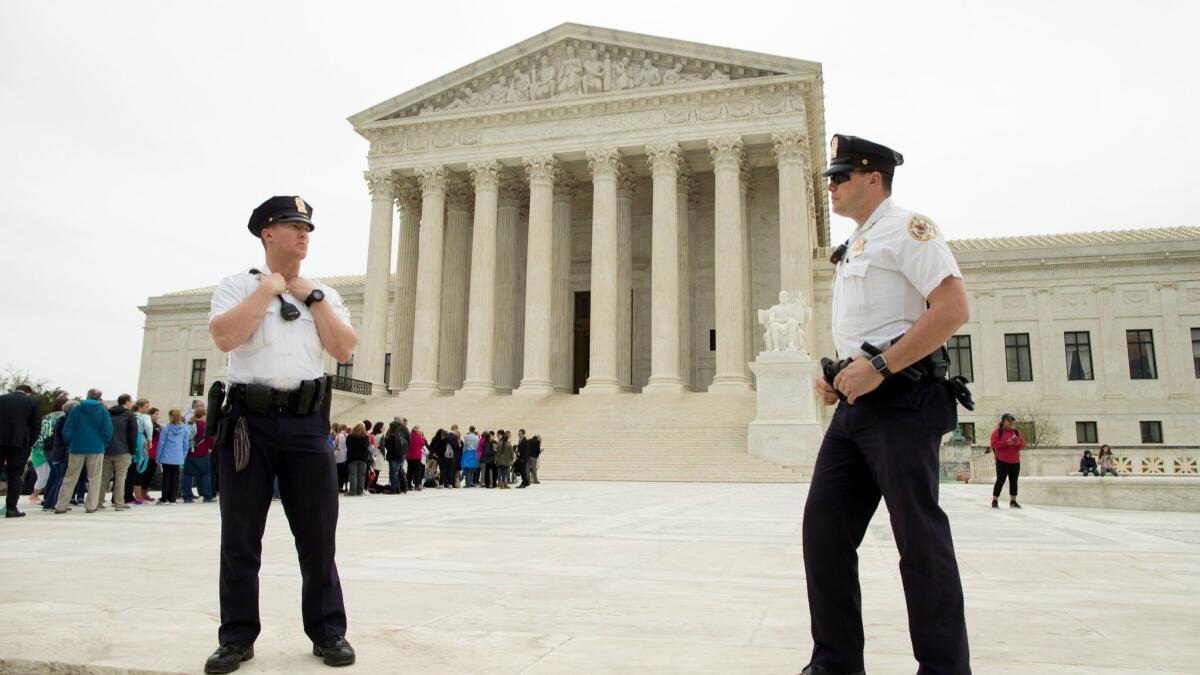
<point>573,61</point>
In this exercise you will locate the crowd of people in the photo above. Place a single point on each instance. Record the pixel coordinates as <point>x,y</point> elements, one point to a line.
<point>86,454</point>
<point>397,459</point>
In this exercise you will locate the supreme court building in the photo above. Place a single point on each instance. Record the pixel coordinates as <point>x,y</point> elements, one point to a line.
<point>577,232</point>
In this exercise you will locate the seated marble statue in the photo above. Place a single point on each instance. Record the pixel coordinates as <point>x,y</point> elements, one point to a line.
<point>784,324</point>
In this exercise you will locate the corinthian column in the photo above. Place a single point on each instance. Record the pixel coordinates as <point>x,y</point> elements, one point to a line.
<point>729,266</point>
<point>539,275</point>
<point>427,331</point>
<point>381,185</point>
<point>505,326</point>
<point>665,159</point>
<point>482,315</point>
<point>626,184</point>
<point>456,269</point>
<point>404,290</point>
<point>795,246</point>
<point>561,341</point>
<point>604,165</point>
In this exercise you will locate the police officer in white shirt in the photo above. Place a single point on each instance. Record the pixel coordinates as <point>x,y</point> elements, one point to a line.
<point>275,325</point>
<point>895,278</point>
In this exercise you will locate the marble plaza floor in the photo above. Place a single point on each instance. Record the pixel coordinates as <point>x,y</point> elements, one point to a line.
<point>597,578</point>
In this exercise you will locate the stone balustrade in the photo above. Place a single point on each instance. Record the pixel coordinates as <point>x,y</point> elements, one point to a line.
<point>1162,460</point>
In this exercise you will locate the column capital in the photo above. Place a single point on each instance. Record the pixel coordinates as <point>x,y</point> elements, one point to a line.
<point>381,183</point>
<point>665,159</point>
<point>459,193</point>
<point>684,179</point>
<point>541,169</point>
<point>604,162</point>
<point>432,180</point>
<point>1160,285</point>
<point>485,174</point>
<point>789,146</point>
<point>1044,291</point>
<point>565,186</point>
<point>984,293</point>
<point>510,188</point>
<point>1104,288</point>
<point>408,195</point>
<point>727,152</point>
<point>626,181</point>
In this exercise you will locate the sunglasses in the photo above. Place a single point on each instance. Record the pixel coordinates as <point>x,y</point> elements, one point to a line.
<point>839,177</point>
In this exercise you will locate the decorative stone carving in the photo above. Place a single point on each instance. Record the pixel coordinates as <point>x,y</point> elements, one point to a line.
<point>1014,302</point>
<point>1135,297</point>
<point>541,168</point>
<point>566,186</point>
<point>485,173</point>
<point>380,183</point>
<point>559,71</point>
<point>432,179</point>
<point>790,146</point>
<point>785,325</point>
<point>511,188</point>
<point>459,193</point>
<point>726,152</point>
<point>665,158</point>
<point>408,196</point>
<point>605,161</point>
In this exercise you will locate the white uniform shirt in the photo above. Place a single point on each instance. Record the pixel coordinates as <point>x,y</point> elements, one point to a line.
<point>892,263</point>
<point>279,354</point>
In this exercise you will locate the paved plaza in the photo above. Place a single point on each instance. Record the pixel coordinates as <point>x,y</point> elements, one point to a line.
<point>575,577</point>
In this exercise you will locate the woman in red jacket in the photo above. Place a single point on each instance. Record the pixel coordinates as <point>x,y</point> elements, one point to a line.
<point>1007,444</point>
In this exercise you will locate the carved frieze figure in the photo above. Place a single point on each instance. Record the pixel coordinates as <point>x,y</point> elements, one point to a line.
<point>593,73</point>
<point>462,102</point>
<point>570,76</point>
<point>718,75</point>
<point>545,79</point>
<point>518,90</point>
<point>649,75</point>
<point>674,75</point>
<point>621,77</point>
<point>498,92</point>
<point>784,324</point>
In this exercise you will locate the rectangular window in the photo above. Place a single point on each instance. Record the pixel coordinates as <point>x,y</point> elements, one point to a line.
<point>712,339</point>
<point>1079,355</point>
<point>967,429</point>
<point>346,369</point>
<point>1141,354</point>
<point>1016,353</point>
<point>1085,432</point>
<point>1152,432</point>
<point>198,368</point>
<point>959,347</point>
<point>1196,350</point>
<point>387,370</point>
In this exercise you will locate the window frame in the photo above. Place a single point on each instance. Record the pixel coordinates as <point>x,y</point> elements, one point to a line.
<point>1079,348</point>
<point>1087,439</point>
<point>1015,350</point>
<point>1155,428</point>
<point>954,348</point>
<point>1148,361</point>
<point>199,367</point>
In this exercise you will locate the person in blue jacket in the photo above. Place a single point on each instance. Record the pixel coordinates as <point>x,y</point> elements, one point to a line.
<point>172,453</point>
<point>88,430</point>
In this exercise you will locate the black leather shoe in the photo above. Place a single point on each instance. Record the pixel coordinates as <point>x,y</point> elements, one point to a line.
<point>335,651</point>
<point>1014,505</point>
<point>228,657</point>
<point>814,669</point>
<point>13,513</point>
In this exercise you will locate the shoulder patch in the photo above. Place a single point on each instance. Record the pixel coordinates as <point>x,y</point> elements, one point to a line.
<point>921,228</point>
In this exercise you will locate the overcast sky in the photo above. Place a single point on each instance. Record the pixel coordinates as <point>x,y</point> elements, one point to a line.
<point>136,137</point>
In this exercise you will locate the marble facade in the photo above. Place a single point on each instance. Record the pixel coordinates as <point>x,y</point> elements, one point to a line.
<point>605,212</point>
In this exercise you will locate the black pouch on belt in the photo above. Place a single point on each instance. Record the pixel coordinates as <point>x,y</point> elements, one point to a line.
<point>305,396</point>
<point>216,408</point>
<point>258,398</point>
<point>326,394</point>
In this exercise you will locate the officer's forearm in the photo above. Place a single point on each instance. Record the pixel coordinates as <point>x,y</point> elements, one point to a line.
<point>337,337</point>
<point>236,326</point>
<point>948,311</point>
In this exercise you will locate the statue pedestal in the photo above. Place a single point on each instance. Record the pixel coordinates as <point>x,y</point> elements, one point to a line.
<point>787,429</point>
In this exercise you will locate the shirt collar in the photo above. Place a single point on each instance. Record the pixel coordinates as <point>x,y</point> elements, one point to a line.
<point>878,213</point>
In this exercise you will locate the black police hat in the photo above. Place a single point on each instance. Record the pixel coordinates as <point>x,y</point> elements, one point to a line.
<point>848,153</point>
<point>280,210</point>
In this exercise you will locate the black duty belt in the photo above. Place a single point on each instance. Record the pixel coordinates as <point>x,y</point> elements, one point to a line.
<point>261,399</point>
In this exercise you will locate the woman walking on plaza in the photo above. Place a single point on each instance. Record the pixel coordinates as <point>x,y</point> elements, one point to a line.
<point>1007,444</point>
<point>416,458</point>
<point>172,452</point>
<point>358,455</point>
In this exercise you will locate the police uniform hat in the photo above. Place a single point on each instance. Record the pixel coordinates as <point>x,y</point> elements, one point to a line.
<point>280,210</point>
<point>849,153</point>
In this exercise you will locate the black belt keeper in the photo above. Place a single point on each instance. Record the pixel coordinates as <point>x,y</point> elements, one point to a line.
<point>261,399</point>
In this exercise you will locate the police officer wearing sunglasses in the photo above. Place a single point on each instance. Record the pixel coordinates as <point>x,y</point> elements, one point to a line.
<point>274,419</point>
<point>898,295</point>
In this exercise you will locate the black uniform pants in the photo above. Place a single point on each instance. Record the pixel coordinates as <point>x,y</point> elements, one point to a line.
<point>296,450</point>
<point>885,445</point>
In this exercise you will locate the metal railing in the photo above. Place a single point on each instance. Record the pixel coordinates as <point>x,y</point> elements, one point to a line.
<point>341,383</point>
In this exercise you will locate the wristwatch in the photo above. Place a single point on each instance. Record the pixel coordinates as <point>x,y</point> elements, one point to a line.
<point>879,364</point>
<point>316,296</point>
